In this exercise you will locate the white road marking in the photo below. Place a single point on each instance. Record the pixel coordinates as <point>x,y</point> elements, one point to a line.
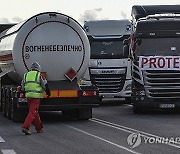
<point>97,137</point>
<point>7,151</point>
<point>1,139</point>
<point>130,130</point>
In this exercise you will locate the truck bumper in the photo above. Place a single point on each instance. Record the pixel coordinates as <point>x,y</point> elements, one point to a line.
<point>146,103</point>
<point>58,104</point>
<point>58,107</point>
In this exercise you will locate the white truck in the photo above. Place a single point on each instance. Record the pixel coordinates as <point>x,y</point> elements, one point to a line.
<point>59,44</point>
<point>109,70</point>
<point>155,51</point>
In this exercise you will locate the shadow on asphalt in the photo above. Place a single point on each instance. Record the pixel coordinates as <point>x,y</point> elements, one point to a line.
<point>50,117</point>
<point>112,102</point>
<point>161,112</point>
<point>53,117</point>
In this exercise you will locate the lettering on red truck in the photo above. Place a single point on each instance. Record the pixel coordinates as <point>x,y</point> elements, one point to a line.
<point>159,62</point>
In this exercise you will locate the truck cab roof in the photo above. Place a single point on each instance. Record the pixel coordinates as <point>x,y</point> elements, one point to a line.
<point>140,11</point>
<point>107,27</point>
<point>159,26</point>
<point>156,20</point>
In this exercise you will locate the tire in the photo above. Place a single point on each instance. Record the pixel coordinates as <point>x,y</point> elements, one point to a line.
<point>128,100</point>
<point>100,99</point>
<point>8,103</point>
<point>16,116</point>
<point>137,110</point>
<point>81,114</point>
<point>73,113</point>
<point>85,113</point>
<point>3,102</point>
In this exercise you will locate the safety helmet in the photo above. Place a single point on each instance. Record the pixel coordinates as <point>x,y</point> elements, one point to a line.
<point>36,66</point>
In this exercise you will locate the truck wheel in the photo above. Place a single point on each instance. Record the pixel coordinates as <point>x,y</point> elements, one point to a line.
<point>100,99</point>
<point>8,104</point>
<point>128,100</point>
<point>137,110</point>
<point>73,113</point>
<point>1,99</point>
<point>81,114</point>
<point>16,116</point>
<point>3,102</point>
<point>85,113</point>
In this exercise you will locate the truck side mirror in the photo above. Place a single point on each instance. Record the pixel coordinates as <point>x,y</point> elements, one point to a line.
<point>126,42</point>
<point>126,48</point>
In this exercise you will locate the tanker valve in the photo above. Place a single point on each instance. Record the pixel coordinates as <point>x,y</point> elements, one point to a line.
<point>19,88</point>
<point>52,15</point>
<point>19,92</point>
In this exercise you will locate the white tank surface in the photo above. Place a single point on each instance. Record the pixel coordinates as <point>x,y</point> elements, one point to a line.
<point>54,40</point>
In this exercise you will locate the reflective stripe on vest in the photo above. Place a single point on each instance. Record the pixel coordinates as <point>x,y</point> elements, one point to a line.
<point>32,86</point>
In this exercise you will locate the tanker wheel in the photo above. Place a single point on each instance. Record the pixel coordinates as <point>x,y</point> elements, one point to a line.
<point>81,114</point>
<point>128,100</point>
<point>84,113</point>
<point>15,115</point>
<point>1,99</point>
<point>137,110</point>
<point>3,102</point>
<point>8,103</point>
<point>73,113</point>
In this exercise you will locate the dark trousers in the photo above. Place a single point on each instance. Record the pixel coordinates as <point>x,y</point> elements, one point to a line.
<point>33,115</point>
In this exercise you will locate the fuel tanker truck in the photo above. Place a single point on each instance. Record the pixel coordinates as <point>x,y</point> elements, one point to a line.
<point>59,44</point>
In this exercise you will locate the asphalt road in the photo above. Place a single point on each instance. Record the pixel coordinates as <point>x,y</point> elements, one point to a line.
<point>114,129</point>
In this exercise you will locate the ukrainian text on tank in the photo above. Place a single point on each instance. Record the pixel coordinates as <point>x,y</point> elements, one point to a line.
<point>44,48</point>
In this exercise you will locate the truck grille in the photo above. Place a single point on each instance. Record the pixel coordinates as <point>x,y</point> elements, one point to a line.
<point>162,84</point>
<point>110,82</point>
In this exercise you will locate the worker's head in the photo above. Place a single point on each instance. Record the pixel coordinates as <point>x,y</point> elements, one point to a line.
<point>36,66</point>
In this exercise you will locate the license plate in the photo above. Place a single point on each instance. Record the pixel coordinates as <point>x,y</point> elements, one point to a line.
<point>167,106</point>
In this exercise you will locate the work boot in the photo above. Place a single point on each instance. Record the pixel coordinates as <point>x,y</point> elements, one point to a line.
<point>26,131</point>
<point>40,131</point>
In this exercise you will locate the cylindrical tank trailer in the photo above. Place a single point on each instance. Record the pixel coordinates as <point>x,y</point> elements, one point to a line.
<point>56,41</point>
<point>59,44</point>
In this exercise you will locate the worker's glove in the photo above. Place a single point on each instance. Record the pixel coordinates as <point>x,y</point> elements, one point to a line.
<point>48,93</point>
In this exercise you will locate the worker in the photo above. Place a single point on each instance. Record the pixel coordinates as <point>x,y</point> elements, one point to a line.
<point>33,85</point>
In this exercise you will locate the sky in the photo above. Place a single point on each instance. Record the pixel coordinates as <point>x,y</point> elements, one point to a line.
<point>15,11</point>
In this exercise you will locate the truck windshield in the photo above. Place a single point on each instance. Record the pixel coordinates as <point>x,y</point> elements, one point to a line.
<point>107,49</point>
<point>158,47</point>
